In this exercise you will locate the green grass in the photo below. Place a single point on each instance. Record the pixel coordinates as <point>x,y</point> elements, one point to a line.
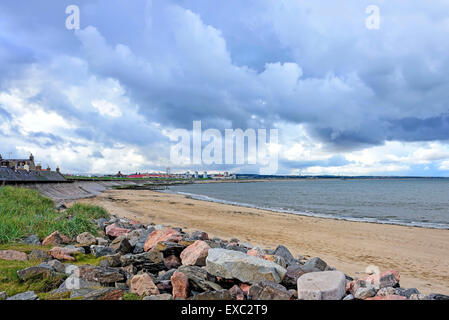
<point>10,282</point>
<point>24,212</point>
<point>131,296</point>
<point>88,211</point>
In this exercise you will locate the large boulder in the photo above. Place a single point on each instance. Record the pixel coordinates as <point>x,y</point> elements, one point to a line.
<point>325,285</point>
<point>13,255</point>
<point>143,285</point>
<point>164,234</point>
<point>195,254</point>
<point>238,265</point>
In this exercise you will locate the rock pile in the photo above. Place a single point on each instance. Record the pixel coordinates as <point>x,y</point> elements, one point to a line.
<point>164,263</point>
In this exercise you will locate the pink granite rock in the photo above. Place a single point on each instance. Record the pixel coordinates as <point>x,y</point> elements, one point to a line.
<point>56,238</point>
<point>113,230</point>
<point>13,255</point>
<point>195,254</point>
<point>143,285</point>
<point>166,234</point>
<point>180,284</point>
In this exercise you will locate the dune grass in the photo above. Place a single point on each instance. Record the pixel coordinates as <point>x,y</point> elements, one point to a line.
<point>24,212</point>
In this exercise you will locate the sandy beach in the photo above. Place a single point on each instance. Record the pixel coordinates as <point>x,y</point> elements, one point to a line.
<point>421,255</point>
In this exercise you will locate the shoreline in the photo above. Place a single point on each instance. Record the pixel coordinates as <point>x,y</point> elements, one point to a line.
<point>420,254</point>
<point>297,213</point>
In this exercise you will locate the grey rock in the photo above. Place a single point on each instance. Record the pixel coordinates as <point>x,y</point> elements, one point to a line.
<point>150,261</point>
<point>103,294</point>
<point>349,297</point>
<point>419,297</point>
<point>291,277</point>
<point>39,255</point>
<point>283,252</point>
<point>56,265</point>
<point>407,292</point>
<point>325,285</point>
<point>213,295</point>
<point>233,264</point>
<point>437,296</point>
<point>268,290</point>
<point>101,223</point>
<point>102,241</point>
<point>121,244</point>
<point>103,275</point>
<point>76,293</point>
<point>73,282</point>
<point>166,275</point>
<point>29,295</point>
<point>314,265</point>
<point>76,249</point>
<point>363,293</point>
<point>199,279</point>
<point>163,296</point>
<point>41,271</point>
<point>100,251</point>
<point>140,243</point>
<point>61,206</point>
<point>86,238</point>
<point>32,239</point>
<point>236,247</point>
<point>387,291</point>
<point>111,261</point>
<point>199,235</point>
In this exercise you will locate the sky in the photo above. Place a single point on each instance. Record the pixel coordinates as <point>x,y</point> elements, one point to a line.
<point>346,99</point>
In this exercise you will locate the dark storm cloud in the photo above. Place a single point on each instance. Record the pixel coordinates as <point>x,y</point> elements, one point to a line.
<point>235,64</point>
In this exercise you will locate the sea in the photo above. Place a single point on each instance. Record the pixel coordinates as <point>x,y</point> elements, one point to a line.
<point>410,202</point>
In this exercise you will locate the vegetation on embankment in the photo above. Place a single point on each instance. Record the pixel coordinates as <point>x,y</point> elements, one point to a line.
<point>24,212</point>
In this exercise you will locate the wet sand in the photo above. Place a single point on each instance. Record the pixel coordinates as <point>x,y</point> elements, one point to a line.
<point>421,255</point>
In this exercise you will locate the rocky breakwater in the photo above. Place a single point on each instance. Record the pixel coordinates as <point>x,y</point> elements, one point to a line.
<point>155,262</point>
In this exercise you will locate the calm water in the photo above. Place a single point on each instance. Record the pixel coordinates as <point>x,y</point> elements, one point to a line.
<point>413,202</point>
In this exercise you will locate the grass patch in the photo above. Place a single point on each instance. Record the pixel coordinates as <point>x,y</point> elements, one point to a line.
<point>131,296</point>
<point>87,211</point>
<point>82,259</point>
<point>24,212</point>
<point>10,282</point>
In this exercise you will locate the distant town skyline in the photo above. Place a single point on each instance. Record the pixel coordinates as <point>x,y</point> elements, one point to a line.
<point>354,88</point>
